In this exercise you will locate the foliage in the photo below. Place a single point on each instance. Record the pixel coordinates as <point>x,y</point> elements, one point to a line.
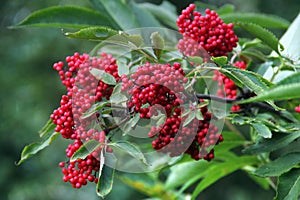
<point>265,101</point>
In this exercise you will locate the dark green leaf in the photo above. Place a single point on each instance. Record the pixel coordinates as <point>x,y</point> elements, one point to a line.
<point>267,145</point>
<point>263,182</point>
<point>93,33</point>
<point>262,130</point>
<point>289,186</point>
<point>279,166</point>
<point>222,60</point>
<point>264,20</point>
<point>215,172</point>
<point>119,12</point>
<point>131,149</point>
<point>165,13</point>
<point>93,109</point>
<point>144,17</point>
<point>49,126</point>
<point>106,178</point>
<point>103,76</point>
<point>34,148</point>
<point>261,33</point>
<point>85,150</point>
<point>64,17</point>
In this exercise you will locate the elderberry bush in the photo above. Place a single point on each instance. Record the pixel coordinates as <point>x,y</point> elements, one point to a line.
<point>172,102</point>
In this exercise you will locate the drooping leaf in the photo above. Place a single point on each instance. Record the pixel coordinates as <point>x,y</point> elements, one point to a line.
<point>93,33</point>
<point>165,13</point>
<point>85,150</point>
<point>262,130</point>
<point>103,76</point>
<point>264,20</point>
<point>119,12</point>
<point>64,17</point>
<point>34,148</point>
<point>220,170</point>
<point>279,166</point>
<point>106,176</point>
<point>130,149</point>
<point>289,186</point>
<point>263,34</point>
<point>267,145</point>
<point>49,126</point>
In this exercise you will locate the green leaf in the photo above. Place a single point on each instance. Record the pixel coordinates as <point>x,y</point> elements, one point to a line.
<point>119,12</point>
<point>122,68</point>
<point>289,186</point>
<point>64,17</point>
<point>93,33</point>
<point>131,149</point>
<point>85,150</point>
<point>49,126</point>
<point>221,60</point>
<point>34,148</point>
<point>220,170</point>
<point>262,130</point>
<point>279,166</point>
<point>130,124</point>
<point>191,116</point>
<point>291,41</point>
<point>267,145</point>
<point>264,20</point>
<point>195,59</point>
<point>103,76</point>
<point>263,34</point>
<point>225,9</point>
<point>93,109</point>
<point>144,17</point>
<point>117,98</point>
<point>281,92</point>
<point>158,44</point>
<point>165,13</point>
<point>106,177</point>
<point>294,78</point>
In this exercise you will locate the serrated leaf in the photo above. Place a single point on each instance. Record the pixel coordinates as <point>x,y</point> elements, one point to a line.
<point>220,170</point>
<point>289,186</point>
<point>262,130</point>
<point>267,145</point>
<point>93,33</point>
<point>279,166</point>
<point>281,92</point>
<point>221,60</point>
<point>85,150</point>
<point>119,12</point>
<point>130,149</point>
<point>106,177</point>
<point>264,20</point>
<point>263,34</point>
<point>165,13</point>
<point>49,126</point>
<point>34,148</point>
<point>103,76</point>
<point>64,17</point>
<point>93,109</point>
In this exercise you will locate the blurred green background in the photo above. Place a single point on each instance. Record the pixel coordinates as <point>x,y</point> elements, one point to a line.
<point>30,90</point>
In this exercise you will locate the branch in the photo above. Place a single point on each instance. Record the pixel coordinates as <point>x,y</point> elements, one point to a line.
<point>215,98</point>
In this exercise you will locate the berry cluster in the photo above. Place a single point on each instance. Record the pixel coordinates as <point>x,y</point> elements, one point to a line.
<point>297,109</point>
<point>163,84</point>
<point>229,89</point>
<point>208,32</point>
<point>83,90</point>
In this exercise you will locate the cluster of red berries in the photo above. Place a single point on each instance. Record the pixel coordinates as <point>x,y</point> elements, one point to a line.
<point>83,90</point>
<point>297,109</point>
<point>80,171</point>
<point>227,87</point>
<point>163,84</point>
<point>208,32</point>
